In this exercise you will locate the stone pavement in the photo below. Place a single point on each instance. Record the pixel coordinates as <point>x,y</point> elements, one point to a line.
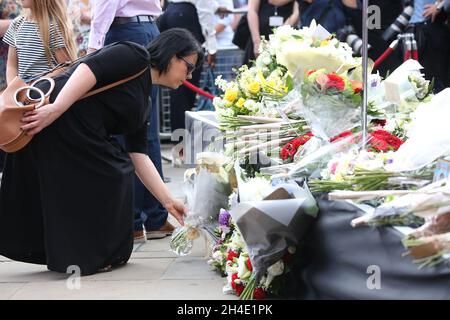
<point>153,272</point>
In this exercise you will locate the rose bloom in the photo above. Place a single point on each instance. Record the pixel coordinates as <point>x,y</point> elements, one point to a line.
<point>335,81</point>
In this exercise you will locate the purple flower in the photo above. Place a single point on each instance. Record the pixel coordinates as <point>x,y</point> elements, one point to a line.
<point>224,217</point>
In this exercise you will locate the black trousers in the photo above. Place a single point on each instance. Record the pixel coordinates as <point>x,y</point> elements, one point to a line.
<point>182,15</point>
<point>433,40</point>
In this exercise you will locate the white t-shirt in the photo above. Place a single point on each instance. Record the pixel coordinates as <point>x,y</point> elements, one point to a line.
<point>224,38</point>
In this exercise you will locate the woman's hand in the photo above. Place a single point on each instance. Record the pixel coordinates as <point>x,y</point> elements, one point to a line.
<point>430,10</point>
<point>38,119</point>
<point>177,209</point>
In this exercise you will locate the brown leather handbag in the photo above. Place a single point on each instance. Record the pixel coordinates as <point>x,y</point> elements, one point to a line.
<point>16,100</point>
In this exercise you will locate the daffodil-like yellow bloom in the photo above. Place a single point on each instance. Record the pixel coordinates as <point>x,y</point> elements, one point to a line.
<point>231,95</point>
<point>254,87</point>
<point>324,43</point>
<point>240,103</point>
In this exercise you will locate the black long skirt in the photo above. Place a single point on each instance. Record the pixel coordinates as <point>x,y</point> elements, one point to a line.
<point>66,199</point>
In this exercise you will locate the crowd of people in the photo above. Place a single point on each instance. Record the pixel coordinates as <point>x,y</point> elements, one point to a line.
<point>84,150</point>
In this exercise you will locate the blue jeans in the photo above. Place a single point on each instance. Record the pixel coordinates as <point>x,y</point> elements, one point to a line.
<point>148,212</point>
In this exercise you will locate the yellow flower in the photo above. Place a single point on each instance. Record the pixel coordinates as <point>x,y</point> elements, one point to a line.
<point>254,87</point>
<point>338,177</point>
<point>231,95</point>
<point>240,102</point>
<point>324,43</point>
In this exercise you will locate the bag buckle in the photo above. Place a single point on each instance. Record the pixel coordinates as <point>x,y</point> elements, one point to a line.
<point>29,88</point>
<point>50,90</point>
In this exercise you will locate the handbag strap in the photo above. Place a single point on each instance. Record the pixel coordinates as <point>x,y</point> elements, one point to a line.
<point>112,85</point>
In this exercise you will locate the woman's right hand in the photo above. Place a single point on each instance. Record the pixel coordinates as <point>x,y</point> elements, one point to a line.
<point>177,209</point>
<point>36,120</point>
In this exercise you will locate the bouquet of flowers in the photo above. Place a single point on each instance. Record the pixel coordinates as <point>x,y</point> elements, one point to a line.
<point>364,170</point>
<point>253,89</point>
<point>311,47</point>
<point>331,103</point>
<point>207,188</point>
<point>231,258</point>
<point>271,226</point>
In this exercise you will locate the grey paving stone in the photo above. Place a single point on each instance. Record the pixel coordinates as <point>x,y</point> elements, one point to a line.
<point>18,272</point>
<point>7,290</point>
<point>189,268</point>
<point>135,290</point>
<point>135,269</point>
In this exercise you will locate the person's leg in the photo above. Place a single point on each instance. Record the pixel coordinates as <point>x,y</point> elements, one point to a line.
<point>433,55</point>
<point>154,215</point>
<point>147,209</point>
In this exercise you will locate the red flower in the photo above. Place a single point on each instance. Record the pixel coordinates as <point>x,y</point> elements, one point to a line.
<point>310,72</point>
<point>341,135</point>
<point>379,144</point>
<point>286,151</point>
<point>384,141</point>
<point>239,288</point>
<point>236,287</point>
<point>259,294</point>
<point>335,81</point>
<point>249,265</point>
<point>232,255</point>
<point>290,149</point>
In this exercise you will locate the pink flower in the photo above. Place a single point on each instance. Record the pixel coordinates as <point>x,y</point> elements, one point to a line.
<point>322,80</point>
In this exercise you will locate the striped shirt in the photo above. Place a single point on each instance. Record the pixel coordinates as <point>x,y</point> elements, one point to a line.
<point>24,36</point>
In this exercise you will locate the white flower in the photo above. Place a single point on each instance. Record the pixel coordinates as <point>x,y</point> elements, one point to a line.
<point>252,105</point>
<point>273,271</point>
<point>267,60</point>
<point>217,256</point>
<point>243,272</point>
<point>255,189</point>
<point>219,102</point>
<point>236,243</point>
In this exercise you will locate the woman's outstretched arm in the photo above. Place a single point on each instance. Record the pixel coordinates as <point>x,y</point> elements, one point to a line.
<point>151,179</point>
<point>79,83</point>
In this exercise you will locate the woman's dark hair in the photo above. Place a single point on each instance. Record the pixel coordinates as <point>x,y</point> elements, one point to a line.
<point>173,42</point>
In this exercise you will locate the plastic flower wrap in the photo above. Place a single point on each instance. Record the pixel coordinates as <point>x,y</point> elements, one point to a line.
<point>428,135</point>
<point>331,103</point>
<point>207,188</point>
<point>270,226</point>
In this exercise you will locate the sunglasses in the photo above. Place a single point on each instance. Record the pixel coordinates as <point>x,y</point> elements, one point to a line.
<point>190,66</point>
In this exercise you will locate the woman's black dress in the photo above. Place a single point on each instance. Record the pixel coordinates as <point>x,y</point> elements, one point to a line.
<point>66,199</point>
